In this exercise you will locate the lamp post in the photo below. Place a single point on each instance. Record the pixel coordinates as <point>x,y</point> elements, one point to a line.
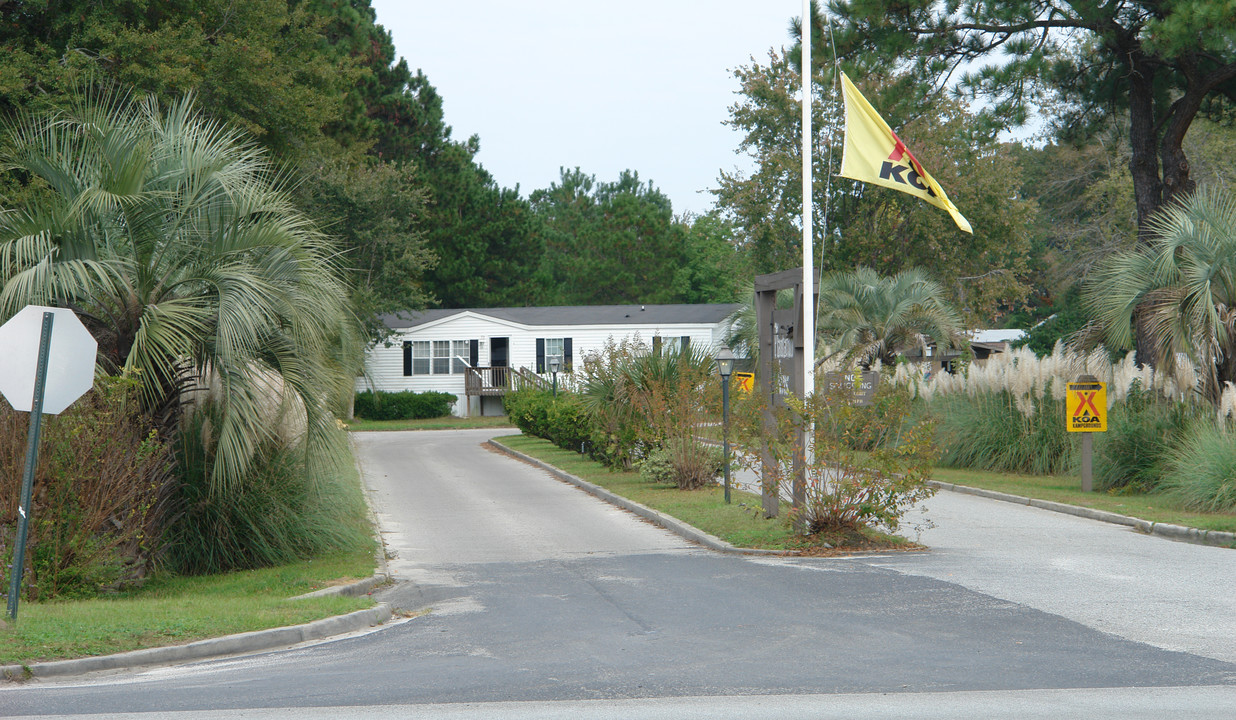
<point>553,370</point>
<point>725,366</point>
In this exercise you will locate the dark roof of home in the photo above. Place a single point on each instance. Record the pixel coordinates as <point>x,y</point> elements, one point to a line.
<point>578,315</point>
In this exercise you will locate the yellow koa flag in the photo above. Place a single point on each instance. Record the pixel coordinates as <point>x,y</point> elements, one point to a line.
<point>874,154</point>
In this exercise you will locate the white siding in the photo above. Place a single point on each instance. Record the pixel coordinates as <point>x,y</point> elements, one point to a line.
<point>385,364</point>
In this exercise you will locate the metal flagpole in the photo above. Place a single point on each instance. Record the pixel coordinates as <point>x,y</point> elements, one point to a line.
<point>808,319</point>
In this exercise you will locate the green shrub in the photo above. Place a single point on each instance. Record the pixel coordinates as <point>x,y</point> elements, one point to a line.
<point>845,490</point>
<point>873,426</point>
<point>289,506</point>
<point>568,425</point>
<point>562,420</point>
<point>100,474</point>
<point>1201,472</point>
<point>1141,431</point>
<point>684,463</point>
<point>987,431</point>
<point>529,410</point>
<point>407,405</point>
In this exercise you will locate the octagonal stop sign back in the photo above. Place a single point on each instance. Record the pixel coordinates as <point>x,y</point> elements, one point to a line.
<point>70,359</point>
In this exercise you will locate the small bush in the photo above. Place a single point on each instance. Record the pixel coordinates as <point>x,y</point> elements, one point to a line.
<point>562,420</point>
<point>406,405</point>
<point>529,410</point>
<point>684,463</point>
<point>568,425</point>
<point>844,490</point>
<point>97,486</point>
<point>1201,472</point>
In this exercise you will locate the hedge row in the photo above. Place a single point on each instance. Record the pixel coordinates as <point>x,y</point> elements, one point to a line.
<point>402,405</point>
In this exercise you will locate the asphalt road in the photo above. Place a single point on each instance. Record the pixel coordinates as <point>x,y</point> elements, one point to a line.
<point>544,602</point>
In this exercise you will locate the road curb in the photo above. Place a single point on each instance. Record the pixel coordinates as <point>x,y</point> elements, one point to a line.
<point>203,649</point>
<point>234,644</point>
<point>356,589</point>
<point>672,524</point>
<point>1172,532</point>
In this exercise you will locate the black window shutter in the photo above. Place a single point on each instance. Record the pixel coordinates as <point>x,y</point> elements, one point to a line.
<point>686,344</point>
<point>566,354</point>
<point>474,352</point>
<point>540,355</point>
<point>407,358</point>
<point>656,345</point>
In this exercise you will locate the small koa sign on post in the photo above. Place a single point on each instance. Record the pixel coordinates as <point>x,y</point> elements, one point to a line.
<point>1086,412</point>
<point>48,362</point>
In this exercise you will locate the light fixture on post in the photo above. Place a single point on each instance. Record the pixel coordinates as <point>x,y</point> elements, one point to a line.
<point>554,362</point>
<point>725,366</point>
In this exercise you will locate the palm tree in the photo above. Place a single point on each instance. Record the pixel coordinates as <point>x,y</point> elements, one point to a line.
<point>174,238</point>
<point>1184,282</point>
<point>869,317</point>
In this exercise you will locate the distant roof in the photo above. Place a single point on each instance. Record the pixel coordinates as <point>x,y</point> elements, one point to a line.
<point>997,336</point>
<point>578,315</point>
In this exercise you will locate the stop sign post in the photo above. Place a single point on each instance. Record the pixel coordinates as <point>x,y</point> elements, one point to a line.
<point>41,372</point>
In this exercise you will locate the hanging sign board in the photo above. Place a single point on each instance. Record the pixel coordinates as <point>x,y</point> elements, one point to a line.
<point>1086,406</point>
<point>859,386</point>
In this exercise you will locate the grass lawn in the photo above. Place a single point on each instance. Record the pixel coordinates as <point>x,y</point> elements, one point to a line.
<point>740,523</point>
<point>177,610</point>
<point>450,422</point>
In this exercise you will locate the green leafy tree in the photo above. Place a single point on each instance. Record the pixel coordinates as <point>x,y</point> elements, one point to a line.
<point>255,65</point>
<point>712,270</point>
<point>374,210</point>
<point>1185,279</point>
<point>174,237</point>
<point>1158,65</point>
<point>482,236</point>
<point>867,317</point>
<point>618,242</point>
<point>857,224</point>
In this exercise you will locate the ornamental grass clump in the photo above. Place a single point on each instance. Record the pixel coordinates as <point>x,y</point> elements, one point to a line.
<point>1132,455</point>
<point>1201,472</point>
<point>641,401</point>
<point>1008,413</point>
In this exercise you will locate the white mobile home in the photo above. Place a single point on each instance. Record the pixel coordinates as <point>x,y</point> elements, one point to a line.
<point>472,352</point>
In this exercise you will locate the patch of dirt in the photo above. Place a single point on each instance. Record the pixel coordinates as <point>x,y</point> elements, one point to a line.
<point>839,543</point>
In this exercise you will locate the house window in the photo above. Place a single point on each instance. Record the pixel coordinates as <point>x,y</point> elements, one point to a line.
<point>441,357</point>
<point>553,350</point>
<point>460,354</point>
<point>670,345</point>
<point>547,348</point>
<point>416,357</point>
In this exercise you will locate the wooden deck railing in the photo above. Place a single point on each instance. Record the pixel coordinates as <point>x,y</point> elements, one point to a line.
<point>487,381</point>
<point>523,377</point>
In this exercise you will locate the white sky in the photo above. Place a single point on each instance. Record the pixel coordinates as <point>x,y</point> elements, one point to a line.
<point>606,86</point>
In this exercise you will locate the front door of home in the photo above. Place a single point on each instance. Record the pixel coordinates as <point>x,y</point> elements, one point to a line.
<point>498,351</point>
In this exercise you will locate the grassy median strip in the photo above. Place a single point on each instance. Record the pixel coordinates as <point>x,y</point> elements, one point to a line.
<point>443,423</point>
<point>177,610</point>
<point>1154,507</point>
<point>740,523</point>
